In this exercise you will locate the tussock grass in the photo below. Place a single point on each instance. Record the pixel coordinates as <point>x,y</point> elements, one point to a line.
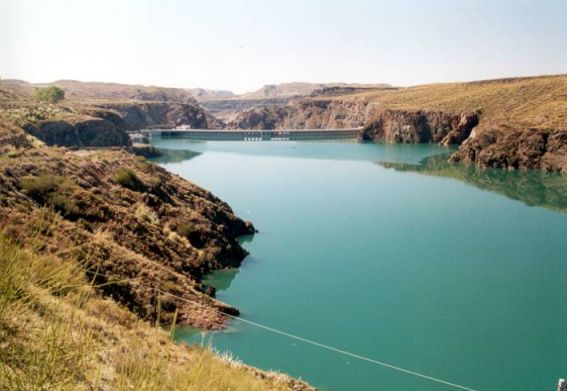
<point>33,113</point>
<point>127,178</point>
<point>57,333</point>
<point>144,212</point>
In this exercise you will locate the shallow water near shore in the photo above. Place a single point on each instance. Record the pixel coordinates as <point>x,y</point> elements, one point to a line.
<point>453,273</point>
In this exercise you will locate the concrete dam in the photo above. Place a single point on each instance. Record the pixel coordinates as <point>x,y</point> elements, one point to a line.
<point>254,135</point>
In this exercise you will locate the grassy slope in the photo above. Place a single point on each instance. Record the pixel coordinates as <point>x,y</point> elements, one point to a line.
<point>57,333</point>
<point>57,329</point>
<point>538,102</point>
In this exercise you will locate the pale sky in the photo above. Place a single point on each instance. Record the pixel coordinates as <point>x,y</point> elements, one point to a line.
<point>242,45</point>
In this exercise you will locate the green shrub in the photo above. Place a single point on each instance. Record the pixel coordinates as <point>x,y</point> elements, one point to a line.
<point>51,94</point>
<point>50,190</point>
<point>39,188</point>
<point>128,179</point>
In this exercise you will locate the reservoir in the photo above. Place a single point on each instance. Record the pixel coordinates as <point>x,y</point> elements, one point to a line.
<point>391,253</point>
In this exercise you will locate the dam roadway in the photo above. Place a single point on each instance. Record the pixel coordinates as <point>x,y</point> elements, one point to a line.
<point>255,135</point>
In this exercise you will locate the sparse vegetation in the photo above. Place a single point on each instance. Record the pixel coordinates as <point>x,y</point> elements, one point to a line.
<point>41,187</point>
<point>185,229</point>
<point>57,333</point>
<point>77,290</point>
<point>539,102</point>
<point>127,178</point>
<point>51,94</point>
<point>189,231</point>
<point>145,213</point>
<point>31,114</point>
<point>50,190</point>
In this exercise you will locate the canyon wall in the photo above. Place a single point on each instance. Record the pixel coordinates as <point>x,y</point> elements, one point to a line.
<point>402,126</point>
<point>304,114</point>
<point>513,148</point>
<point>138,115</point>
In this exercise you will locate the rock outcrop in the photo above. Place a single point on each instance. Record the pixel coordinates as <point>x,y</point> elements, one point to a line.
<point>304,114</point>
<point>138,115</point>
<point>403,126</point>
<point>511,148</point>
<point>84,132</point>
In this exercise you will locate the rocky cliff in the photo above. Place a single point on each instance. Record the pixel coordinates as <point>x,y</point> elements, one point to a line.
<point>138,115</point>
<point>520,123</point>
<point>304,114</point>
<point>403,126</point>
<point>66,126</point>
<point>512,148</point>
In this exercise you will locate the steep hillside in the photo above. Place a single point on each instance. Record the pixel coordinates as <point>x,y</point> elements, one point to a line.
<point>57,332</point>
<point>92,245</point>
<point>123,218</point>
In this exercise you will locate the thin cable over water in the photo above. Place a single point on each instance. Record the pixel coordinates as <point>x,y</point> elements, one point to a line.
<point>321,345</point>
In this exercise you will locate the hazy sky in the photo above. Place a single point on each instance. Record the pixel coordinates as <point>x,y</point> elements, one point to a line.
<point>241,45</point>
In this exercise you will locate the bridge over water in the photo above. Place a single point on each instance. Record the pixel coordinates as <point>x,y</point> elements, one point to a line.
<point>254,135</point>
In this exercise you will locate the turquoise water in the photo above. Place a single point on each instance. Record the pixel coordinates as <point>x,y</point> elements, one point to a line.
<point>362,248</point>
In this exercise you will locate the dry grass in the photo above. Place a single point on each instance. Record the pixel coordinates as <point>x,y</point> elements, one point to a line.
<point>539,102</point>
<point>56,333</point>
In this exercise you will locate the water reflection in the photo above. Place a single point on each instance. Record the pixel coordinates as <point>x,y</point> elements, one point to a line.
<point>221,279</point>
<point>175,155</point>
<point>246,238</point>
<point>534,188</point>
<point>324,149</point>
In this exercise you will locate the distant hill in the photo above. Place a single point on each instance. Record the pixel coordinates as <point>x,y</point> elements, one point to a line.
<point>202,94</point>
<point>287,90</point>
<point>97,91</point>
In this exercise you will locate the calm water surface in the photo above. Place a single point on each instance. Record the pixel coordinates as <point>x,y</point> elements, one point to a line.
<point>437,269</point>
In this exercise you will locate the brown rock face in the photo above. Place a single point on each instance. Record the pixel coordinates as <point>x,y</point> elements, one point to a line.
<point>90,132</point>
<point>504,147</point>
<point>142,114</point>
<point>303,114</point>
<point>401,126</point>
